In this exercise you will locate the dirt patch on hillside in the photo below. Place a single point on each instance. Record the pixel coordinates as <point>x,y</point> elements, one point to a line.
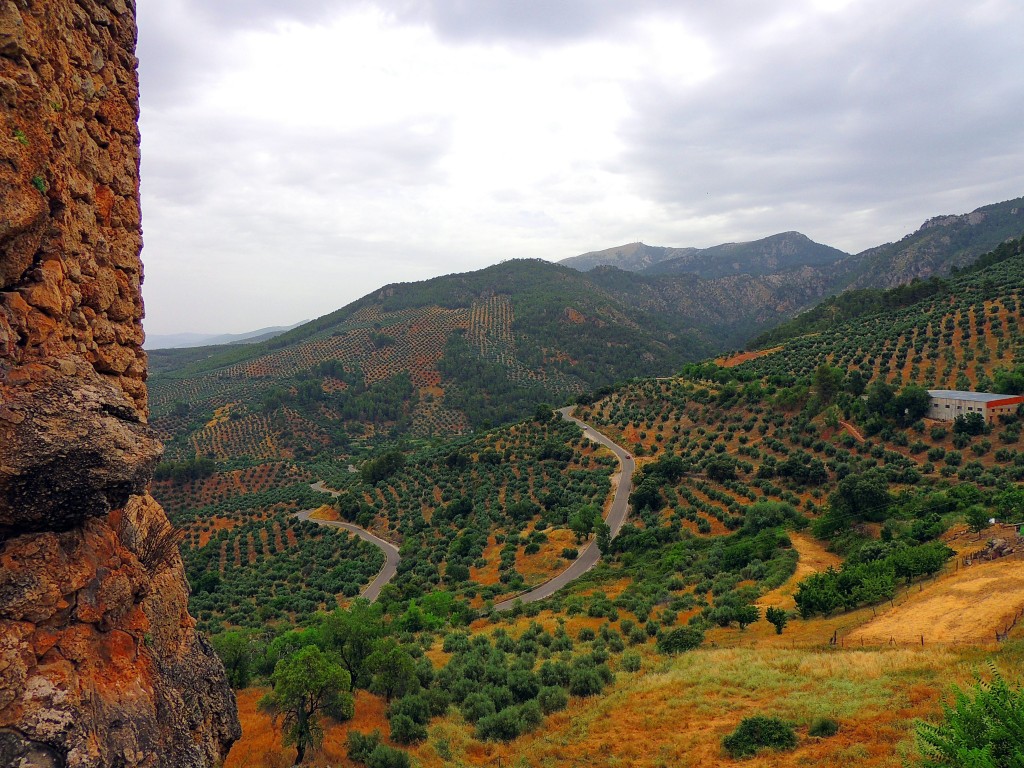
<point>743,357</point>
<point>814,558</point>
<point>968,607</point>
<point>325,512</point>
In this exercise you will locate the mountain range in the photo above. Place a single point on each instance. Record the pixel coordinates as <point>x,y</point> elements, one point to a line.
<point>939,245</point>
<point>186,340</point>
<point>471,350</point>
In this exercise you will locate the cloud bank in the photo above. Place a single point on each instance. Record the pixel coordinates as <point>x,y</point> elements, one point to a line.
<point>297,156</point>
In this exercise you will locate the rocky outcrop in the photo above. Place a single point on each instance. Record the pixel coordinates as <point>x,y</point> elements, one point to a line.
<point>100,663</point>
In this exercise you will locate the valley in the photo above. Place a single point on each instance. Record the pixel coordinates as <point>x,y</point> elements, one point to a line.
<point>778,532</point>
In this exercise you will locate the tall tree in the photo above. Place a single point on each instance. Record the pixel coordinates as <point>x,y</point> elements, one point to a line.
<point>352,633</point>
<point>307,685</point>
<point>827,382</point>
<point>393,669</point>
<point>235,652</point>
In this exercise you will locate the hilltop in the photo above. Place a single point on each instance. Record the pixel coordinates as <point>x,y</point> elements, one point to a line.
<point>940,244</point>
<point>467,351</point>
<point>768,255</point>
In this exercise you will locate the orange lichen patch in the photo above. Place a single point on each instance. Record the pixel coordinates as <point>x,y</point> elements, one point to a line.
<point>967,606</point>
<point>743,357</point>
<point>261,746</point>
<point>549,562</point>
<point>814,558</point>
<point>325,512</point>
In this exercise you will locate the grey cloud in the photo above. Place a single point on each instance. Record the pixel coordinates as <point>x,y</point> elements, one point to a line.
<point>541,22</point>
<point>867,115</point>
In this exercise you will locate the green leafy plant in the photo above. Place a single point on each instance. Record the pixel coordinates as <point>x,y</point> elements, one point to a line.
<point>823,727</point>
<point>759,732</point>
<point>983,728</point>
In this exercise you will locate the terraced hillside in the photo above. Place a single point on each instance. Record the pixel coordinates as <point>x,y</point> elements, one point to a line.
<point>795,511</point>
<point>451,354</point>
<point>964,332</point>
<point>485,517</point>
<point>249,561</point>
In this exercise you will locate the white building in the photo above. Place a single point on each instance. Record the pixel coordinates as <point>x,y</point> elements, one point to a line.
<point>947,404</point>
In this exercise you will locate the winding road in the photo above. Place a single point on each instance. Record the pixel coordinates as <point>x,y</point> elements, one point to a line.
<point>588,558</point>
<point>387,573</point>
<point>622,482</point>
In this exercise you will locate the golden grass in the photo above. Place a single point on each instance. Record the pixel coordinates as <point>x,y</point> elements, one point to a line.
<point>966,607</point>
<point>260,745</point>
<point>676,713</point>
<point>325,512</point>
<point>814,558</point>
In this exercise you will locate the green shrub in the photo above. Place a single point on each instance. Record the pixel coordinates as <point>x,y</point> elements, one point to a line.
<point>631,661</point>
<point>405,730</point>
<point>682,639</point>
<point>476,706</point>
<point>361,745</point>
<point>384,756</point>
<point>585,681</point>
<point>501,726</point>
<point>757,732</point>
<point>823,727</point>
<point>552,698</point>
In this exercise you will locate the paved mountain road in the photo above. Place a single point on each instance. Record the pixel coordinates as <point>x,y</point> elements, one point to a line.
<point>616,517</point>
<point>623,484</point>
<point>387,573</point>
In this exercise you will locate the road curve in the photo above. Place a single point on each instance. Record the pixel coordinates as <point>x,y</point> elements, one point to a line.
<point>387,573</point>
<point>616,517</point>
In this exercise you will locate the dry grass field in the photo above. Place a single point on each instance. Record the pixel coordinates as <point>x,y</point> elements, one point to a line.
<point>967,607</point>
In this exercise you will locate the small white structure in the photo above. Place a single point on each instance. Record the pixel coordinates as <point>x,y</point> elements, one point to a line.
<point>947,404</point>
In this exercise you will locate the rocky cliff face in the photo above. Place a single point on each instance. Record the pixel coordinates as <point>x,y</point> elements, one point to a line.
<point>100,664</point>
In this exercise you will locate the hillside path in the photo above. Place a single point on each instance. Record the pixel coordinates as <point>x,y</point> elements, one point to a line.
<point>387,573</point>
<point>853,431</point>
<point>623,484</point>
<point>814,558</point>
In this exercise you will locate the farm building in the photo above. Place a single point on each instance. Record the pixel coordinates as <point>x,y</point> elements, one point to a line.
<point>947,404</point>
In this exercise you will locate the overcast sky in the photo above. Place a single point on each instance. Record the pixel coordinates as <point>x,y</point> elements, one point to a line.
<point>297,155</point>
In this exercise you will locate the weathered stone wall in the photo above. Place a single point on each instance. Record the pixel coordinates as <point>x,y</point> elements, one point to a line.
<point>100,664</point>
<point>70,226</point>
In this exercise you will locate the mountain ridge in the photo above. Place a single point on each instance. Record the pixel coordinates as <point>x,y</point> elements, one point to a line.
<point>941,243</point>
